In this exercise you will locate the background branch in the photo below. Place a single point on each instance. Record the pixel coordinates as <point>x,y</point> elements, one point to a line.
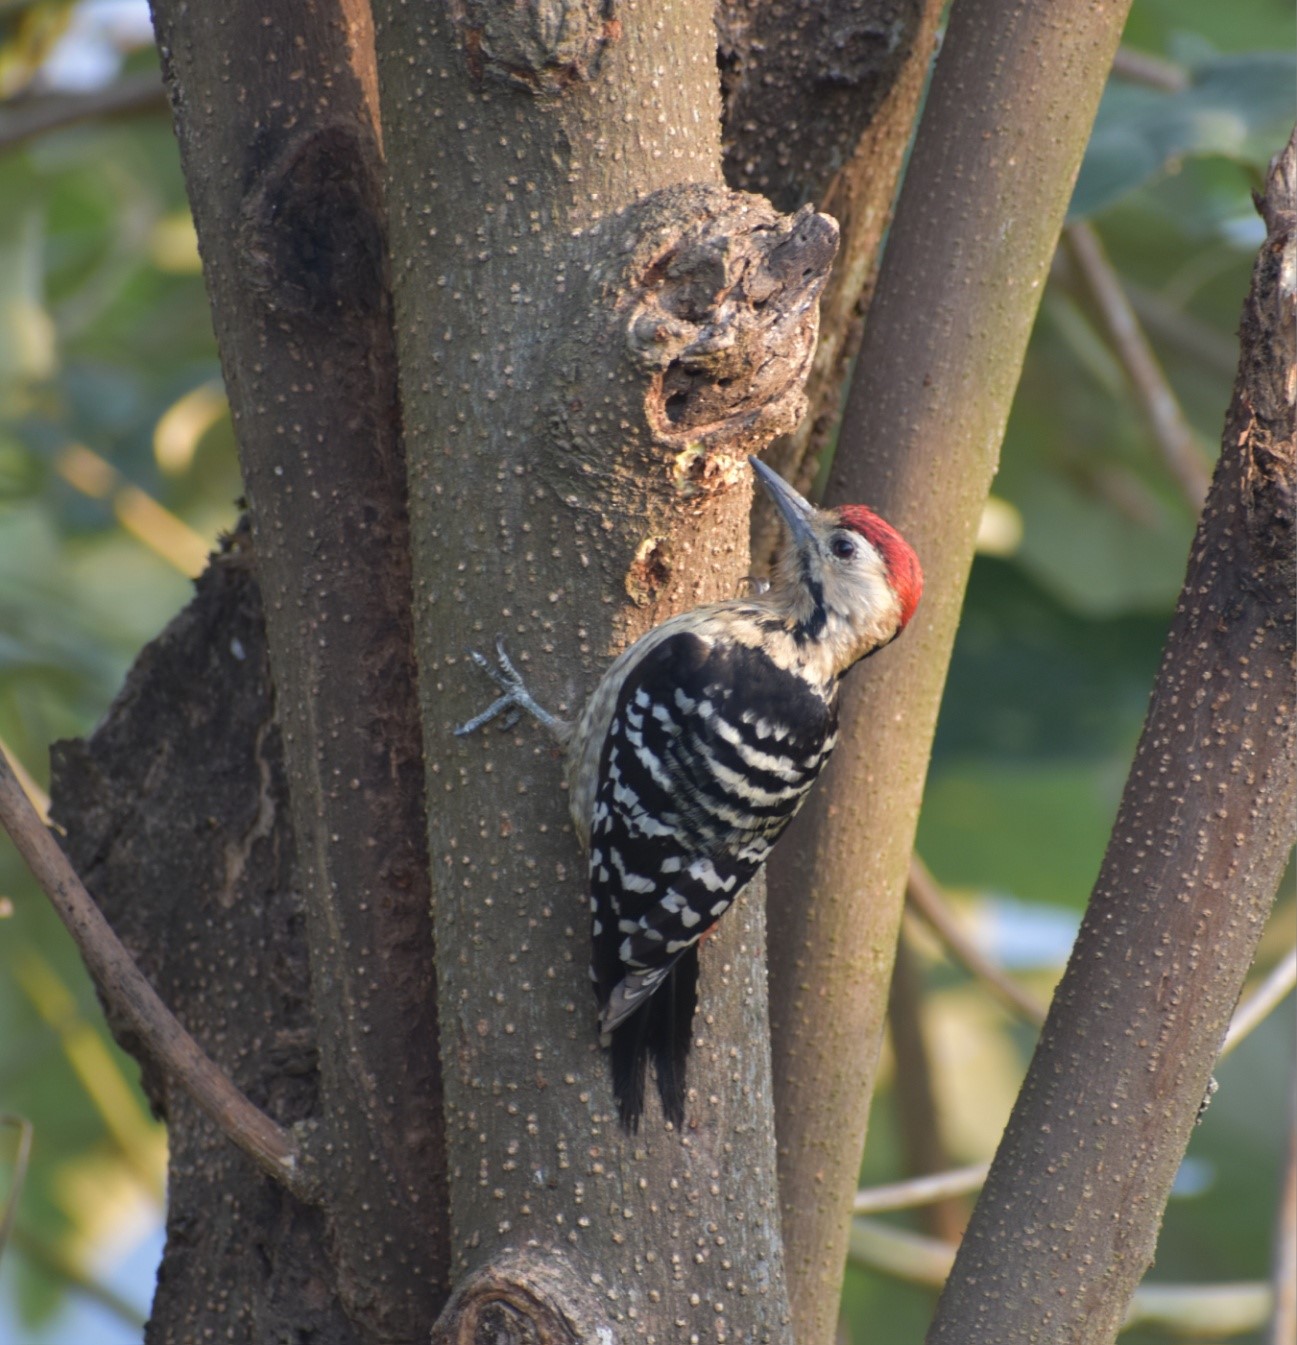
<point>1195,1310</point>
<point>1262,1002</point>
<point>920,1190</point>
<point>1283,1278</point>
<point>271,1147</point>
<point>23,121</point>
<point>1178,445</point>
<point>925,896</point>
<point>918,1113</point>
<point>22,1156</point>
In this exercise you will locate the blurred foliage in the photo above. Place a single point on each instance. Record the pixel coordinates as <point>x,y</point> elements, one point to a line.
<point>1061,638</point>
<point>117,468</point>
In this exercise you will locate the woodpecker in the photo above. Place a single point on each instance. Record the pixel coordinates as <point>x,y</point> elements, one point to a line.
<point>693,754</point>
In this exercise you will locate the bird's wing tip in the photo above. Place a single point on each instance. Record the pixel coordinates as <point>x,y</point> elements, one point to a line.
<point>627,996</point>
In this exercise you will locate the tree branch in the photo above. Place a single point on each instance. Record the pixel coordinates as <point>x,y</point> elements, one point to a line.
<point>847,156</point>
<point>51,1260</point>
<point>23,121</point>
<point>914,1096</point>
<point>925,896</point>
<point>9,1210</point>
<point>1141,67</point>
<point>283,167</point>
<point>1071,1209</point>
<point>1175,440</point>
<point>920,1190</point>
<point>270,1146</point>
<point>1191,1309</point>
<point>1262,1002</point>
<point>976,227</point>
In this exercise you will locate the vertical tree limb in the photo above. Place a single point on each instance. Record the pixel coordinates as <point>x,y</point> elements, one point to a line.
<point>1068,1220</point>
<point>921,1140</point>
<point>280,147</point>
<point>820,101</point>
<point>1005,125</point>
<point>1283,1264</point>
<point>593,332</point>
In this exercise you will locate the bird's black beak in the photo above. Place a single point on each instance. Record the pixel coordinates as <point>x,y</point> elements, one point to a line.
<point>795,511</point>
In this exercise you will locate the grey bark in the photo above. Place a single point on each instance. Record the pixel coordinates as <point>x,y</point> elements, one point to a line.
<point>801,80</point>
<point>819,105</point>
<point>1068,1221</point>
<point>1003,130</point>
<point>279,145</point>
<point>593,333</point>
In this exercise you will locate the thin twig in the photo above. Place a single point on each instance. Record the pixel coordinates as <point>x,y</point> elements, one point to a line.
<point>1283,1275</point>
<point>40,799</point>
<point>925,896</point>
<point>914,1092</point>
<point>921,1190</point>
<point>268,1144</point>
<point>1175,439</point>
<point>912,1257</point>
<point>1200,1309</point>
<point>1261,1002</point>
<point>9,1211</point>
<point>20,122</point>
<point>1139,67</point>
<point>1173,326</point>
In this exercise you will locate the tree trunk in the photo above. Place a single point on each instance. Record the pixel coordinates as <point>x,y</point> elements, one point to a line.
<point>283,169</point>
<point>1003,131</point>
<point>820,98</point>
<point>593,333</point>
<point>284,175</point>
<point>176,816</point>
<point>1068,1220</point>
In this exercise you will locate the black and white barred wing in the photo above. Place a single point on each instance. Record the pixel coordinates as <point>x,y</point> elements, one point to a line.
<point>709,754</point>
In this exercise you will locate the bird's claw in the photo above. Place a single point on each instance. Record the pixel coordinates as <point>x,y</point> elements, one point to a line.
<point>501,672</point>
<point>516,698</point>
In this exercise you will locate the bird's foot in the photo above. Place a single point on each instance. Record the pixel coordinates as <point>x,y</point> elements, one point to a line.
<point>514,701</point>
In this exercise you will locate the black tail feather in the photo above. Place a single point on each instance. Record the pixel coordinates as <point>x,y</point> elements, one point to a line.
<point>629,1061</point>
<point>663,1031</point>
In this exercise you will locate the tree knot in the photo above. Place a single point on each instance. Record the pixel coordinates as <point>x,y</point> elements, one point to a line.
<point>543,46</point>
<point>723,300</point>
<point>531,1296</point>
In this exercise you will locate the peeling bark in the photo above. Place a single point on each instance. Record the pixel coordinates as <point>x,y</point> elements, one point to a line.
<point>176,815</point>
<point>1068,1220</point>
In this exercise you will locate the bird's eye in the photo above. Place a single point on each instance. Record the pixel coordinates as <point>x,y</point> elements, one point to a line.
<point>842,547</point>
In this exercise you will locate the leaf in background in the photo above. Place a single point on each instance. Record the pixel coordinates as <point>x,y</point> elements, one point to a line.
<point>1239,107</point>
<point>28,348</point>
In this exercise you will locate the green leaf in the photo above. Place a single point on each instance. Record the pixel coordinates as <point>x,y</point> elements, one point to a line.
<point>1239,107</point>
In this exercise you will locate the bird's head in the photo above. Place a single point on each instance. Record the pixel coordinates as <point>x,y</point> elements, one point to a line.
<point>845,580</point>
